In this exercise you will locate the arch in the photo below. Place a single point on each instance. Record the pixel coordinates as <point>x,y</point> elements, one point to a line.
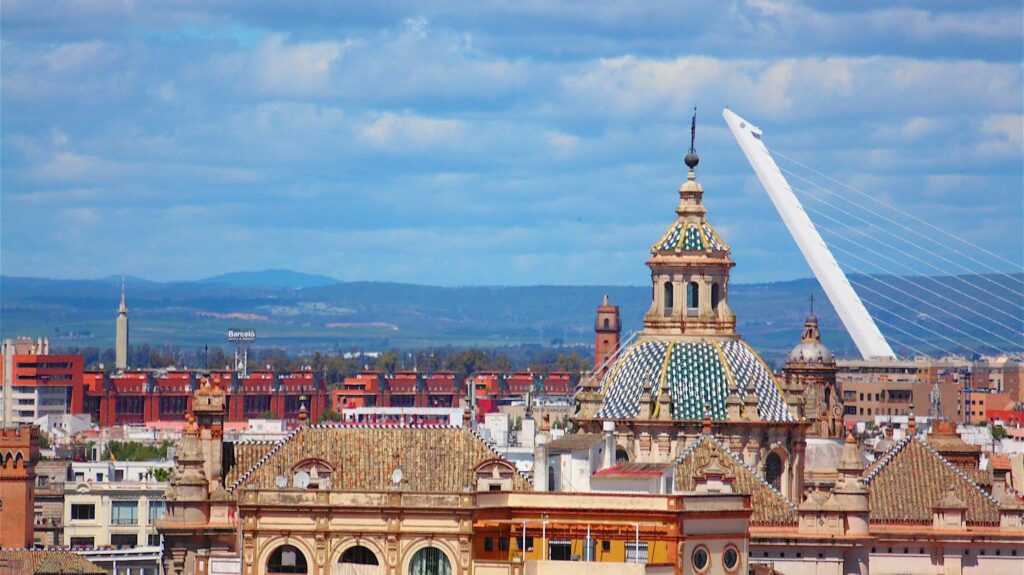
<point>372,545</point>
<point>668,297</point>
<point>607,323</point>
<point>287,559</point>
<point>715,296</point>
<point>359,555</point>
<point>621,455</point>
<point>430,560</point>
<point>773,467</point>
<point>692,296</point>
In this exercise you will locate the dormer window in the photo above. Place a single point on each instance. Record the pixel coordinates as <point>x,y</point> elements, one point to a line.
<point>318,471</point>
<point>495,475</point>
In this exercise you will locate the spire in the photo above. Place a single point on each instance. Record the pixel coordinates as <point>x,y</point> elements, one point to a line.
<point>122,309</point>
<point>692,159</point>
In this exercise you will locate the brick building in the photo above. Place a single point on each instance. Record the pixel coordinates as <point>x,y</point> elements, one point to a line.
<point>141,397</point>
<point>19,452</point>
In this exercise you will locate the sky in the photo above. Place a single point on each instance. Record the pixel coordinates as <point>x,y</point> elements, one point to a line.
<point>487,142</point>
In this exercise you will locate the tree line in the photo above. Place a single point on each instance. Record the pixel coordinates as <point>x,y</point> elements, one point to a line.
<point>335,366</point>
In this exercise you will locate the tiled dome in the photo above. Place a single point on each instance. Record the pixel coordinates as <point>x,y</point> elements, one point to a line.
<point>696,373</point>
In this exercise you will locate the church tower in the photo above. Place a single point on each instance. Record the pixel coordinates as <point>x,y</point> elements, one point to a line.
<point>608,332</point>
<point>121,343</point>
<point>809,383</point>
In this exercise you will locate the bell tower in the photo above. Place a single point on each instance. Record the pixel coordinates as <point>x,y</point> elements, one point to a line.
<point>608,332</point>
<point>690,269</point>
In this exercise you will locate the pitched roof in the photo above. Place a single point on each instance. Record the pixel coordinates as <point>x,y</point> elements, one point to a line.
<point>770,506</point>
<point>912,478</point>
<point>246,454</point>
<point>47,562</point>
<point>363,458</point>
<point>628,469</point>
<point>574,442</point>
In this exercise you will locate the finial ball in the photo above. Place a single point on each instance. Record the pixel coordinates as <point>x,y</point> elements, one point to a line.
<point>692,159</point>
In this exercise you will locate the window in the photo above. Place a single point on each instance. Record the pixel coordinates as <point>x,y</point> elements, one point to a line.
<point>488,544</point>
<point>359,555</point>
<point>606,545</point>
<point>773,470</point>
<point>692,298</point>
<point>153,540</point>
<point>430,561</point>
<point>559,550</point>
<point>83,511</point>
<point>157,509</point>
<point>636,553</point>
<point>714,296</point>
<point>124,513</point>
<point>731,558</point>
<point>502,543</point>
<point>124,540</point>
<point>669,298</point>
<point>287,559</point>
<point>83,542</point>
<point>701,559</point>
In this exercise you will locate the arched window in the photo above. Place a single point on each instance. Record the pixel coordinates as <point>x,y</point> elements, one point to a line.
<point>287,559</point>
<point>692,297</point>
<point>669,298</point>
<point>430,561</point>
<point>359,555</point>
<point>715,295</point>
<point>621,456</point>
<point>773,470</point>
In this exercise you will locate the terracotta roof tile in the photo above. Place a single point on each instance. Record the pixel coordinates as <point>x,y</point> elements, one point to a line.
<point>770,506</point>
<point>912,478</point>
<point>999,462</point>
<point>574,442</point>
<point>432,459</point>
<point>46,562</point>
<point>627,469</point>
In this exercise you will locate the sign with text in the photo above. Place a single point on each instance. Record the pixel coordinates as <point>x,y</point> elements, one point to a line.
<point>241,335</point>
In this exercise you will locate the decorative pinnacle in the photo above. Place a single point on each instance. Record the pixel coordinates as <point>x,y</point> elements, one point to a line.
<point>692,159</point>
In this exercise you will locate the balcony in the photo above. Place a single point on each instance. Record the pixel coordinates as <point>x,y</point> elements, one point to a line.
<point>49,522</point>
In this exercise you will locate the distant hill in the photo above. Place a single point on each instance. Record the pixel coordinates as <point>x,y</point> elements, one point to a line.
<point>304,312</point>
<point>271,279</point>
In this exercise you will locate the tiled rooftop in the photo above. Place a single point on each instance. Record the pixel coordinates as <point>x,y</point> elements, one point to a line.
<point>432,458</point>
<point>770,507</point>
<point>46,562</point>
<point>909,480</point>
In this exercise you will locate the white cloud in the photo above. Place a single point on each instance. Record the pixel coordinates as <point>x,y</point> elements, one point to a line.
<point>300,68</point>
<point>409,130</point>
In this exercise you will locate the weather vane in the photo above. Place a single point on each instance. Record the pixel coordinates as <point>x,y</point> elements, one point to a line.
<point>693,131</point>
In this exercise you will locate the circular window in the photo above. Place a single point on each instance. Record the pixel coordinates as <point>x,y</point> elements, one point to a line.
<point>731,558</point>
<point>700,559</point>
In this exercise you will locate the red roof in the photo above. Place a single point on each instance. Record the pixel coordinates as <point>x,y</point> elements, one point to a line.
<point>634,470</point>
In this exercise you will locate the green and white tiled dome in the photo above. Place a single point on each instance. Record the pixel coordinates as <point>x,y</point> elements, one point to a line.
<point>683,237</point>
<point>697,373</point>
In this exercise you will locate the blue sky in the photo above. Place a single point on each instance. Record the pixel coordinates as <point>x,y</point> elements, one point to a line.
<point>529,142</point>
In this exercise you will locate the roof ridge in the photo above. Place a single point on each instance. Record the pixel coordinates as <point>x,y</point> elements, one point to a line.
<point>959,472</point>
<point>266,456</point>
<point>887,458</point>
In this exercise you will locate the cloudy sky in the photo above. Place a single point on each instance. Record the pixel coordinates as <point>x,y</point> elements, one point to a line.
<point>526,142</point>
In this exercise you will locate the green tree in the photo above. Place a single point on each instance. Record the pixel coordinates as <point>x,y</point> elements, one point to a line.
<point>161,474</point>
<point>998,432</point>
<point>330,415</point>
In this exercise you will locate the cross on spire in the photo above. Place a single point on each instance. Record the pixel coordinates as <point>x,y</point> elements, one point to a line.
<point>691,158</point>
<point>810,298</point>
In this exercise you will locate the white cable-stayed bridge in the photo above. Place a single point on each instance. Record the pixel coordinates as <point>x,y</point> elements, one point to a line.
<point>900,284</point>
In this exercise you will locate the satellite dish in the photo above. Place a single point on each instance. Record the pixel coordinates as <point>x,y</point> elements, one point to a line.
<point>301,480</point>
<point>397,475</point>
<point>282,482</point>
